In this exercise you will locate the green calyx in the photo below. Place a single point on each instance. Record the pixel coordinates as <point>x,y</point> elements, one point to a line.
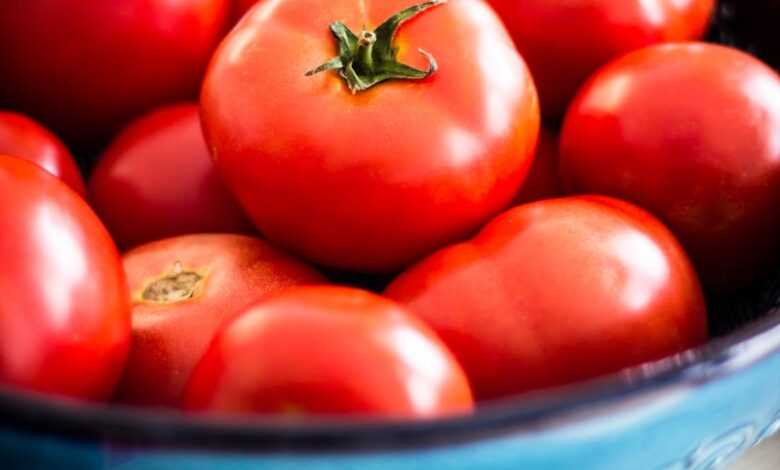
<point>369,58</point>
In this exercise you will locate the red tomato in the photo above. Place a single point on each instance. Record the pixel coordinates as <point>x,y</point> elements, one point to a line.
<point>690,132</point>
<point>371,180</point>
<point>85,67</point>
<point>182,289</point>
<point>24,138</point>
<point>564,42</point>
<point>157,180</point>
<point>328,350</point>
<point>558,291</point>
<point>64,313</point>
<point>542,181</point>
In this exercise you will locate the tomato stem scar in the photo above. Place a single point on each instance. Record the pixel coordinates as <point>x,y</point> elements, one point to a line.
<point>175,286</point>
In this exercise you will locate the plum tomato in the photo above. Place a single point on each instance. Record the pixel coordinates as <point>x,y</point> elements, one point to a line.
<point>372,166</point>
<point>558,291</point>
<point>326,350</point>
<point>690,132</point>
<point>182,289</point>
<point>22,137</point>
<point>564,42</point>
<point>543,181</point>
<point>86,67</point>
<point>156,180</point>
<point>64,305</point>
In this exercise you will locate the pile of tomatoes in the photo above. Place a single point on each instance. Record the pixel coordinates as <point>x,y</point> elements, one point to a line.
<point>548,188</point>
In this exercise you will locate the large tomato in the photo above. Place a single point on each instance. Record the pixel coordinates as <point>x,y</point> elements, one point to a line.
<point>690,132</point>
<point>558,291</point>
<point>353,173</point>
<point>157,180</point>
<point>328,350</point>
<point>564,42</point>
<point>64,306</point>
<point>84,67</point>
<point>22,137</point>
<point>182,289</point>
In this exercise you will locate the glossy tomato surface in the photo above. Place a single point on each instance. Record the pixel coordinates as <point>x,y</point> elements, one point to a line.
<point>558,291</point>
<point>543,181</point>
<point>240,7</point>
<point>564,42</point>
<point>24,138</point>
<point>373,180</point>
<point>182,289</point>
<point>64,309</point>
<point>85,67</point>
<point>324,350</point>
<point>157,180</point>
<point>690,132</point>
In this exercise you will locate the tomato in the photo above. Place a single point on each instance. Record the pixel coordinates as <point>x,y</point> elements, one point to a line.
<point>328,350</point>
<point>690,132</point>
<point>564,42</point>
<point>157,180</point>
<point>542,181</point>
<point>85,67</point>
<point>64,310</point>
<point>361,175</point>
<point>558,291</point>
<point>183,288</point>
<point>22,137</point>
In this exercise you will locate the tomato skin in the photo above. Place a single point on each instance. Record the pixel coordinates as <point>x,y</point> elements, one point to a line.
<point>240,7</point>
<point>24,138</point>
<point>274,358</point>
<point>86,67</point>
<point>169,339</point>
<point>64,311</point>
<point>558,291</point>
<point>565,42</point>
<point>157,180</point>
<point>543,181</point>
<point>338,178</point>
<point>689,132</point>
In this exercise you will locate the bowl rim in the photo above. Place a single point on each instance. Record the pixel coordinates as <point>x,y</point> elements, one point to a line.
<point>126,426</point>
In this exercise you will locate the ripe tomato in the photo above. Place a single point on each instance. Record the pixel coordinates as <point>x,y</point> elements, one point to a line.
<point>328,350</point>
<point>564,42</point>
<point>182,289</point>
<point>157,180</point>
<point>85,67</point>
<point>64,312</point>
<point>690,132</point>
<point>558,291</point>
<point>370,180</point>
<point>24,138</point>
<point>543,181</point>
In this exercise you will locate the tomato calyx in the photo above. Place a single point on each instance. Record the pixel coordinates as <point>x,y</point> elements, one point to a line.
<point>175,286</point>
<point>369,58</point>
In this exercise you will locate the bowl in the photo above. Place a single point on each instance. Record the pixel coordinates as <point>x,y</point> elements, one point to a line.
<point>696,410</point>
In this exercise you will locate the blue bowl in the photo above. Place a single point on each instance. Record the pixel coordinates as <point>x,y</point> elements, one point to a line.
<point>696,410</point>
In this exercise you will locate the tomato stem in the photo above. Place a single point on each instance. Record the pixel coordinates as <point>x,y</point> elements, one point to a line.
<point>371,58</point>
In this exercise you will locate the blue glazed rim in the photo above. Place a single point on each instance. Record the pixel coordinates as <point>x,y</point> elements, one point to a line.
<point>719,358</point>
